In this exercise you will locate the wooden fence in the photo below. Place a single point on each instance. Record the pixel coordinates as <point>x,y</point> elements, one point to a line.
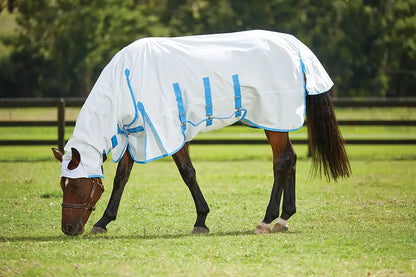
<point>62,103</point>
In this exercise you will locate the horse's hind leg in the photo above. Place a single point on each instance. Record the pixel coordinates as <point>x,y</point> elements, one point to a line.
<point>122,176</point>
<point>284,167</point>
<point>187,171</point>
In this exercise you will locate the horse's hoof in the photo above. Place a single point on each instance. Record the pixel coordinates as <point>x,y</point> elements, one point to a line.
<point>263,228</point>
<point>279,227</point>
<point>98,230</point>
<point>200,230</point>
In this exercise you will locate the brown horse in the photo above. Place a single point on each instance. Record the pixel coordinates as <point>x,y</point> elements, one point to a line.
<point>328,156</point>
<point>158,93</point>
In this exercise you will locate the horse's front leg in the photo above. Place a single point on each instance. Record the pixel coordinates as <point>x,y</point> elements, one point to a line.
<point>122,176</point>
<point>284,167</point>
<point>187,171</point>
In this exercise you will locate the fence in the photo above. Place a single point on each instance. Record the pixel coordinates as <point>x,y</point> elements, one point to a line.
<point>62,103</point>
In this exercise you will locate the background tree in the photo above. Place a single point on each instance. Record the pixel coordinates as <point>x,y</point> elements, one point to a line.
<point>62,45</point>
<point>367,46</point>
<point>400,48</point>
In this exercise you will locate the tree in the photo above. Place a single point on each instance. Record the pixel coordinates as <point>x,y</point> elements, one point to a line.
<point>400,45</point>
<point>10,4</point>
<point>367,46</point>
<point>62,45</point>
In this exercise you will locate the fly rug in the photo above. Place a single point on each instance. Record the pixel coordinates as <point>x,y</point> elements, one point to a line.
<point>156,94</point>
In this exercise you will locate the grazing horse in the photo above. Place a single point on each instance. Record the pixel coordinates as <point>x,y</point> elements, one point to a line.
<point>156,94</point>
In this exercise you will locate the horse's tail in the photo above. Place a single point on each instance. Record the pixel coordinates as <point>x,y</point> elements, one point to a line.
<point>325,141</point>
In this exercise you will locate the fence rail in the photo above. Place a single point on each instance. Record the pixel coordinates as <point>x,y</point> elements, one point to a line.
<point>62,103</point>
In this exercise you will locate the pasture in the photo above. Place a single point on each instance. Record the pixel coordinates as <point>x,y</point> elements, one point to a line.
<point>364,225</point>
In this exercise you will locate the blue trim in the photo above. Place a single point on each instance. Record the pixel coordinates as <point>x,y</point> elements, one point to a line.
<point>141,109</point>
<point>239,112</point>
<point>103,155</point>
<point>237,95</point>
<point>137,129</point>
<point>253,125</point>
<point>305,91</point>
<point>208,100</point>
<point>156,158</point>
<point>128,131</point>
<point>108,152</point>
<point>182,118</point>
<point>216,117</point>
<point>302,66</point>
<point>114,141</point>
<point>96,176</point>
<point>121,155</point>
<point>127,73</point>
<point>179,101</point>
<point>146,116</point>
<point>131,153</point>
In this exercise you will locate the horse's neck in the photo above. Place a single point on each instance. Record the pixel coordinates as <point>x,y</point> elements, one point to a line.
<point>92,134</point>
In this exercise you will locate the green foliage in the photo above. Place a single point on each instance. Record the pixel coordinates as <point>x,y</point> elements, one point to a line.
<point>401,45</point>
<point>368,47</point>
<point>62,45</point>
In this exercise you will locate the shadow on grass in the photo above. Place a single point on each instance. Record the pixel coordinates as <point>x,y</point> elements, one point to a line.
<point>132,236</point>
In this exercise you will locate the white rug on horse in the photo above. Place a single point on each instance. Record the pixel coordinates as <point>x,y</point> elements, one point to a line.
<point>158,93</point>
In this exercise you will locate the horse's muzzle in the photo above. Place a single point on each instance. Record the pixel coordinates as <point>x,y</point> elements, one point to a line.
<point>73,229</point>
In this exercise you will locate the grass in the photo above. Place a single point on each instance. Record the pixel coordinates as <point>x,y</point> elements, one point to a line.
<point>364,225</point>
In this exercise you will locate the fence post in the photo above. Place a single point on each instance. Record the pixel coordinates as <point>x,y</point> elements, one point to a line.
<point>61,124</point>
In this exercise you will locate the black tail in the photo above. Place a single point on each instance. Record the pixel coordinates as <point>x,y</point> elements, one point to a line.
<point>325,141</point>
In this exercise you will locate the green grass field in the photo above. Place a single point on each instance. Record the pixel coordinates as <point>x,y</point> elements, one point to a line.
<point>361,226</point>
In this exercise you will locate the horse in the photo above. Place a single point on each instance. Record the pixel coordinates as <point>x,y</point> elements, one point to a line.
<point>144,107</point>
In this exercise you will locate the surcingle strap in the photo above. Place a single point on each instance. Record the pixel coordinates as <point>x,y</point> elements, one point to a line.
<point>179,101</point>
<point>208,100</point>
<point>128,131</point>
<point>237,95</point>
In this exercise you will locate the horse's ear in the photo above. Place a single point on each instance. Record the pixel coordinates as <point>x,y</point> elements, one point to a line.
<point>58,154</point>
<point>76,159</point>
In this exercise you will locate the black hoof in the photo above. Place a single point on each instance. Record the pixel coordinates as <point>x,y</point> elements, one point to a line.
<point>200,230</point>
<point>98,230</point>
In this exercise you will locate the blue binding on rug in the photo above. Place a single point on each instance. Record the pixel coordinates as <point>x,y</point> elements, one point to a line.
<point>187,85</point>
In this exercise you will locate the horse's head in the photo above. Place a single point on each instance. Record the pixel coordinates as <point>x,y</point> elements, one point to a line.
<point>80,193</point>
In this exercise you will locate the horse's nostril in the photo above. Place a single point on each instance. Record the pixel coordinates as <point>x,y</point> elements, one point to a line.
<point>73,230</point>
<point>67,229</point>
<point>79,228</point>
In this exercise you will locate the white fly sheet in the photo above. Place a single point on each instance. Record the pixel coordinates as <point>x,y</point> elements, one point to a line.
<point>158,93</point>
